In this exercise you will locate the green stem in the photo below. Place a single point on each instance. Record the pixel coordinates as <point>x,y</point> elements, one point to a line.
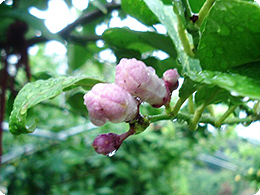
<point>230,121</point>
<point>184,38</point>
<point>255,108</point>
<point>219,122</point>
<point>159,117</point>
<point>198,112</point>
<point>169,114</point>
<point>237,120</point>
<point>248,110</point>
<point>168,108</point>
<point>188,11</point>
<point>177,106</point>
<point>196,38</point>
<point>191,105</point>
<point>211,110</point>
<point>195,120</point>
<point>203,119</point>
<point>204,11</point>
<point>190,27</point>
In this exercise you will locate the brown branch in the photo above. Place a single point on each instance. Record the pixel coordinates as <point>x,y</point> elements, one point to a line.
<point>74,38</point>
<point>3,85</point>
<point>65,33</point>
<point>82,40</point>
<point>86,18</point>
<point>36,40</point>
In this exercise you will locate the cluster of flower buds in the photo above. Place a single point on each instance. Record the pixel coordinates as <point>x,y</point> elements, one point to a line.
<point>134,83</point>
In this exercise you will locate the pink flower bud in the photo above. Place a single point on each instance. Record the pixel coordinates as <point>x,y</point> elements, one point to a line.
<point>110,102</point>
<point>109,143</point>
<point>170,78</point>
<point>141,81</point>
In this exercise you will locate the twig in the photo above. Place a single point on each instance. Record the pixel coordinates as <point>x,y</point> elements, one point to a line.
<point>191,104</point>
<point>86,18</point>
<point>225,115</point>
<point>184,38</point>
<point>83,40</point>
<point>203,119</point>
<point>204,11</point>
<point>3,82</point>
<point>198,112</point>
<point>188,11</point>
<point>177,106</point>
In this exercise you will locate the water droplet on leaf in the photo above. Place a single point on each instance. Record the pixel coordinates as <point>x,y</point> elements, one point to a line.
<point>37,85</point>
<point>23,110</point>
<point>224,30</point>
<point>29,95</point>
<point>111,153</point>
<point>225,80</point>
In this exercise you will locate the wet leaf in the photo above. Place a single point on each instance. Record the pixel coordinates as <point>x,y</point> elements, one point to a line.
<point>77,55</point>
<point>196,5</point>
<point>188,87</point>
<point>168,18</point>
<point>75,101</point>
<point>242,81</point>
<point>222,95</point>
<point>231,36</point>
<point>34,93</point>
<point>162,65</point>
<point>140,11</point>
<point>139,41</point>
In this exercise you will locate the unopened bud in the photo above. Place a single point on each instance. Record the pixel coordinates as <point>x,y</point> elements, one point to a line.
<point>141,81</point>
<point>170,78</point>
<point>107,144</point>
<point>110,102</point>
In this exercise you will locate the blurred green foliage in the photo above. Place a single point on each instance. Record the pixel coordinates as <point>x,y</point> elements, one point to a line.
<point>165,159</point>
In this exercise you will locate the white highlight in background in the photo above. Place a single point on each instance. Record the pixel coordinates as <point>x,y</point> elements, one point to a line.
<point>56,17</point>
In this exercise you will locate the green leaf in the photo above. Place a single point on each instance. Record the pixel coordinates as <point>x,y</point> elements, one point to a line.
<point>231,36</point>
<point>188,87</point>
<point>35,3</point>
<point>126,53</point>
<point>242,81</point>
<point>139,10</point>
<point>77,55</point>
<point>34,93</point>
<point>162,65</point>
<point>196,5</point>
<point>75,101</point>
<point>99,5</point>
<point>167,2</point>
<point>222,95</point>
<point>139,41</point>
<point>168,18</point>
